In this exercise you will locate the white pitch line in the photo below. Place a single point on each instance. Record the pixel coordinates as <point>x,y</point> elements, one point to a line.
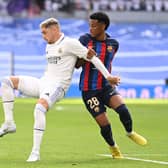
<point>146,154</point>
<point>144,160</point>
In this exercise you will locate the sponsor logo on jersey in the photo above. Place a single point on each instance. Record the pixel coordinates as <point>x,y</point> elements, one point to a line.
<point>60,50</point>
<point>53,60</point>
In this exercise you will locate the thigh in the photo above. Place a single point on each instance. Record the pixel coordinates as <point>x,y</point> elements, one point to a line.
<point>51,92</point>
<point>29,86</point>
<point>110,96</point>
<point>116,101</point>
<point>93,102</point>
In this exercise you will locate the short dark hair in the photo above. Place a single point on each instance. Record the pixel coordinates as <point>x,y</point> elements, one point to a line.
<point>101,17</point>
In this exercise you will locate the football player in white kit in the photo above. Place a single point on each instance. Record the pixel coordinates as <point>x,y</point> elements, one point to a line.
<point>61,54</point>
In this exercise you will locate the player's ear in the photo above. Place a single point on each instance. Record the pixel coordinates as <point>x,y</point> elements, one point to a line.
<point>104,27</point>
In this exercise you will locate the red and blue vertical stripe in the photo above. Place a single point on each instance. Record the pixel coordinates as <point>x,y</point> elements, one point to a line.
<point>91,78</point>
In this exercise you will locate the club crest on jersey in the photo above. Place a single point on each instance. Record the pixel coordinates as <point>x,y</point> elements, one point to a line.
<point>109,48</point>
<point>60,50</point>
<point>96,109</point>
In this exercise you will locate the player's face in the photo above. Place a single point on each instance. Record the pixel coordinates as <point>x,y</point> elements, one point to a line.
<point>96,28</point>
<point>49,34</point>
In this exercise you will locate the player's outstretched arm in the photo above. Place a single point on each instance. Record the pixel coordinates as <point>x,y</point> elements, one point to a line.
<point>79,50</point>
<point>113,80</point>
<point>80,61</point>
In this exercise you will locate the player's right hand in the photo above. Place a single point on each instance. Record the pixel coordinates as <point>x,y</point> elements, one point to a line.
<point>114,80</point>
<point>90,53</point>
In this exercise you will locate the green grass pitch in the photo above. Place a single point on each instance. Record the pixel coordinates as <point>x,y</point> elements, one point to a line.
<point>72,138</point>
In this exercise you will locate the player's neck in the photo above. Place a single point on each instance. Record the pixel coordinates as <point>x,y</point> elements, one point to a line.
<point>57,37</point>
<point>101,37</point>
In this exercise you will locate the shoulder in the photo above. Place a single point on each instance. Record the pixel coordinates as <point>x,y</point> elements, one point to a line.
<point>113,42</point>
<point>71,41</point>
<point>73,44</point>
<point>84,39</point>
<point>85,36</point>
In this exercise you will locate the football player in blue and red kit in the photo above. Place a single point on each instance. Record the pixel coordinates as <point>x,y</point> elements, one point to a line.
<point>97,93</point>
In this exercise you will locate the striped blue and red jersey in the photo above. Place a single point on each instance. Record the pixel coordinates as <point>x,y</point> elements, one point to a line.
<point>91,78</point>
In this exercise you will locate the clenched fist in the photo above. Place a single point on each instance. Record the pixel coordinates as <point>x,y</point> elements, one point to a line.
<point>114,80</point>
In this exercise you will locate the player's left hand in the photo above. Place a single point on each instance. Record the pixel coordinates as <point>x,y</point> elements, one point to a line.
<point>114,80</point>
<point>80,62</point>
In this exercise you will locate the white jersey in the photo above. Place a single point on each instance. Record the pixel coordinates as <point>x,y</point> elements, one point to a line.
<point>61,58</point>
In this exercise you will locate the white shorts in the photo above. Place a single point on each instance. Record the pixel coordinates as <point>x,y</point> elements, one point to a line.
<point>41,88</point>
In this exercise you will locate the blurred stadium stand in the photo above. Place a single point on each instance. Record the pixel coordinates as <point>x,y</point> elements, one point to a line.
<point>142,60</point>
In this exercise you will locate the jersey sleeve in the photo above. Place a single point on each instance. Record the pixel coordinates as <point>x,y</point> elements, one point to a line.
<point>100,66</point>
<point>115,44</point>
<point>77,49</point>
<point>84,39</point>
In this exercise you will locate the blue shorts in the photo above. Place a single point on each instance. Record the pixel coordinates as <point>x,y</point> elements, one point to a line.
<point>97,100</point>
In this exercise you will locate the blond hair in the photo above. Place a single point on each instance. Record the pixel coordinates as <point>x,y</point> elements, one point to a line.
<point>48,22</point>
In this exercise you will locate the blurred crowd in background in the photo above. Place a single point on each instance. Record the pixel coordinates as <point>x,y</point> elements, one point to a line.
<point>36,7</point>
